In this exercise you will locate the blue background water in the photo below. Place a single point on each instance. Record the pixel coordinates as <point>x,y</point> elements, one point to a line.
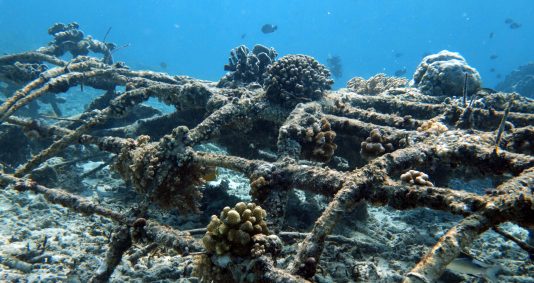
<point>194,37</point>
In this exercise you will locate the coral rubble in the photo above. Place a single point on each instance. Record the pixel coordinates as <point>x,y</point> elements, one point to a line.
<point>376,84</point>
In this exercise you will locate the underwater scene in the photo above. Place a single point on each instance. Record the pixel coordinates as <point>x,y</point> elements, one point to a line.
<point>267,141</point>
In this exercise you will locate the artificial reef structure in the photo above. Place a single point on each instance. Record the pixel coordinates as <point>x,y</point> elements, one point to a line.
<point>374,143</point>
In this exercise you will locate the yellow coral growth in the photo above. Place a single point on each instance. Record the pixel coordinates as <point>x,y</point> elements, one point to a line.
<point>324,143</point>
<point>414,177</point>
<point>210,175</point>
<point>259,188</point>
<point>433,127</point>
<point>233,230</point>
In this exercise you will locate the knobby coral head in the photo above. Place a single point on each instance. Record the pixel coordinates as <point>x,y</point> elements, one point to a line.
<point>296,78</point>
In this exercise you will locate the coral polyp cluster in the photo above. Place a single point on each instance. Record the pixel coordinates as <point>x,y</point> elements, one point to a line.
<point>296,78</point>
<point>233,230</point>
<point>375,145</point>
<point>414,177</point>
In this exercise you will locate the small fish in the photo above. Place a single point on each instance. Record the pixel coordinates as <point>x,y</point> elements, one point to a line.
<point>498,76</point>
<point>243,36</point>
<point>163,65</point>
<point>508,21</point>
<point>398,55</point>
<point>491,34</point>
<point>468,265</point>
<point>400,72</point>
<point>268,28</point>
<point>494,56</point>
<point>515,25</point>
<point>335,65</point>
<point>492,70</point>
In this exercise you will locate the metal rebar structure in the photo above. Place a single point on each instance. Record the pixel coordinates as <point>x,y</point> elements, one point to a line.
<point>417,132</point>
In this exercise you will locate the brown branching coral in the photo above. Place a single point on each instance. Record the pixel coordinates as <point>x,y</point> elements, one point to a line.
<point>324,142</point>
<point>306,134</point>
<point>375,145</point>
<point>259,188</point>
<point>400,131</point>
<point>414,177</point>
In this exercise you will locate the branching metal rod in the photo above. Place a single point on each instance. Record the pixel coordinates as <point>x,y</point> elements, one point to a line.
<point>449,246</point>
<point>528,248</point>
<point>155,232</point>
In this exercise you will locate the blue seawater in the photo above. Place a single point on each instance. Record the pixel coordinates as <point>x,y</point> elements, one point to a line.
<point>194,37</point>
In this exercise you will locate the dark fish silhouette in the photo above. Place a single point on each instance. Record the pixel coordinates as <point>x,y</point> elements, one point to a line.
<point>515,25</point>
<point>243,36</point>
<point>491,34</point>
<point>268,28</point>
<point>492,70</point>
<point>499,76</point>
<point>494,56</point>
<point>398,55</point>
<point>163,65</point>
<point>400,72</point>
<point>335,66</point>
